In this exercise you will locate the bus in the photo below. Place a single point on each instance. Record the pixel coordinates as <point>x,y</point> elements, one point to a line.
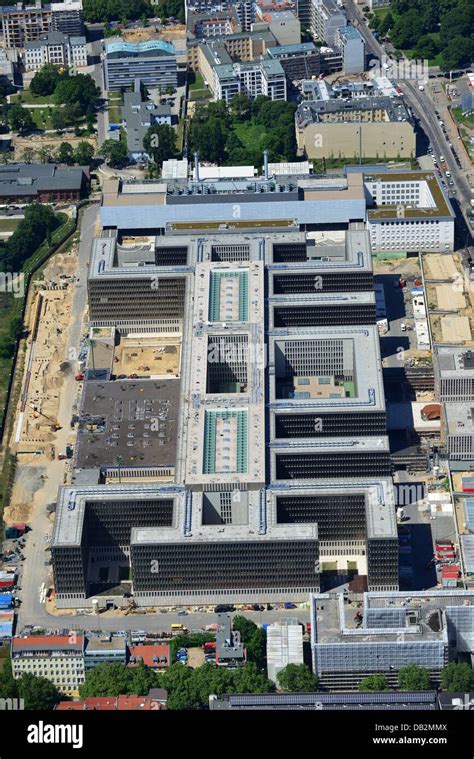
<point>177,629</point>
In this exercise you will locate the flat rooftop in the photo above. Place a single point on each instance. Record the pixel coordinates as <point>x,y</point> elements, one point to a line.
<point>356,356</point>
<point>72,501</point>
<point>133,420</point>
<point>441,205</point>
<point>418,615</point>
<point>379,498</point>
<point>455,361</point>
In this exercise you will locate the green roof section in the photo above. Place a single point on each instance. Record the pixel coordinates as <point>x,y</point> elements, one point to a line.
<point>219,307</point>
<point>210,459</point>
<point>442,207</point>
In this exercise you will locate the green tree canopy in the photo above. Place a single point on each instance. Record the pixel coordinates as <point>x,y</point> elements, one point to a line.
<point>373,683</point>
<point>413,677</point>
<point>80,89</point>
<point>160,142</point>
<point>20,119</point>
<point>84,153</point>
<point>115,153</point>
<point>457,677</point>
<point>36,226</point>
<point>65,153</point>
<point>37,692</point>
<point>297,677</point>
<point>45,80</point>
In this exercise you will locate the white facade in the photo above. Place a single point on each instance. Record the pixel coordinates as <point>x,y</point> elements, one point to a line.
<point>57,49</point>
<point>60,662</point>
<point>400,227</point>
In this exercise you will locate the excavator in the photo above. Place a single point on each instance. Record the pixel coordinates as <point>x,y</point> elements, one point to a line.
<point>54,424</point>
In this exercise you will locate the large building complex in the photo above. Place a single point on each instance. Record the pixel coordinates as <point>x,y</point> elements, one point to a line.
<point>391,631</point>
<point>153,62</point>
<point>241,489</point>
<point>27,23</point>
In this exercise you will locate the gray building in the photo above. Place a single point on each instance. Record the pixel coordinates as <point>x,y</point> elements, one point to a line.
<point>390,631</point>
<point>326,18</point>
<point>229,648</point>
<point>350,42</point>
<point>320,701</point>
<point>153,62</point>
<point>106,649</point>
<point>137,118</point>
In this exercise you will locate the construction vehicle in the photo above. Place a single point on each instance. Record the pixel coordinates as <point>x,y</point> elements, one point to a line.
<point>54,424</point>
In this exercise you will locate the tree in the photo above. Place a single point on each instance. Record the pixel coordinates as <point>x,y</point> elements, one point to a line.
<point>80,90</point>
<point>374,683</point>
<point>45,80</point>
<point>115,153</point>
<point>240,106</point>
<point>45,153</point>
<point>84,153</point>
<point>245,627</point>
<point>413,677</point>
<point>297,677</point>
<point>20,119</point>
<point>65,153</point>
<point>107,680</point>
<point>37,692</point>
<point>58,121</point>
<point>28,155</point>
<point>160,142</point>
<point>459,50</point>
<point>457,678</point>
<point>36,227</point>
<point>8,684</point>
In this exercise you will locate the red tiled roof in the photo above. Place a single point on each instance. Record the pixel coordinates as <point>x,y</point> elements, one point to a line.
<point>147,652</point>
<point>33,642</point>
<point>111,703</point>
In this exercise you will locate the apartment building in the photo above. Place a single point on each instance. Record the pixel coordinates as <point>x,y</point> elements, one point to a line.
<point>57,49</point>
<point>392,630</point>
<point>26,23</point>
<point>350,42</point>
<point>379,127</point>
<point>326,18</point>
<point>253,78</point>
<point>283,24</point>
<point>297,61</point>
<point>241,46</point>
<point>203,26</point>
<point>58,658</point>
<point>152,62</point>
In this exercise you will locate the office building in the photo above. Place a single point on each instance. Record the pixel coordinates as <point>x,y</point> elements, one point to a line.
<point>321,701</point>
<point>455,374</point>
<point>459,432</point>
<point>152,62</point>
<point>378,127</point>
<point>284,646</point>
<point>207,26</point>
<point>242,491</point>
<point>392,630</point>
<point>104,649</point>
<point>26,23</point>
<point>58,658</point>
<point>407,211</point>
<point>58,50</point>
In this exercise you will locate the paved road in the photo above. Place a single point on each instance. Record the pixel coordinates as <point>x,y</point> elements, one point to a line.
<point>97,73</point>
<point>35,570</point>
<point>421,105</point>
<point>156,622</point>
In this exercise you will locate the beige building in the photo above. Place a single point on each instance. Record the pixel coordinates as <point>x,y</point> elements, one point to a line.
<point>58,658</point>
<point>242,46</point>
<point>371,128</point>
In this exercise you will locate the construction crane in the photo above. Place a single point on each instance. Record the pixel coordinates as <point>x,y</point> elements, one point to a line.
<point>54,424</point>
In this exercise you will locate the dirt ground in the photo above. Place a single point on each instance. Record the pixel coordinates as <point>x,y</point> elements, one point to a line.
<point>406,266</point>
<point>54,140</point>
<point>150,356</point>
<point>441,266</point>
<point>40,397</point>
<point>196,657</point>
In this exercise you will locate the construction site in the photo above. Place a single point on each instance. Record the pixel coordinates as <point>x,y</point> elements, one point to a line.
<point>155,356</point>
<point>449,297</point>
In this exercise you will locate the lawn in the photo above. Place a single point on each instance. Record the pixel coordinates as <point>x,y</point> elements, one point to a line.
<point>8,225</point>
<point>114,105</point>
<point>27,98</point>
<point>251,135</point>
<point>198,83</point>
<point>42,117</point>
<point>463,118</point>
